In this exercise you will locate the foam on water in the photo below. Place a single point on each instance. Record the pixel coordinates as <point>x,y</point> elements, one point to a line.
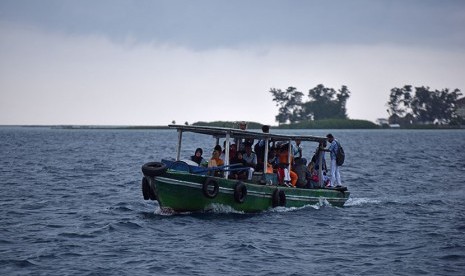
<point>361,201</point>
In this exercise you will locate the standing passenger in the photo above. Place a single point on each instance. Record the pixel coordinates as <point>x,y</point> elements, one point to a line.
<point>260,149</point>
<point>241,142</point>
<point>333,148</point>
<point>297,149</point>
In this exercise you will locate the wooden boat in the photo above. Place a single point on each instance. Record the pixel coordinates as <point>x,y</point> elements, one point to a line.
<point>182,187</point>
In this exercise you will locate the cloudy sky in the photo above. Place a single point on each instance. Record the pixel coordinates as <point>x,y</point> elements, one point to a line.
<point>122,62</point>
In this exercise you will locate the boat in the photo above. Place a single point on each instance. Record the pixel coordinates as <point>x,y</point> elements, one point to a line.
<point>183,186</point>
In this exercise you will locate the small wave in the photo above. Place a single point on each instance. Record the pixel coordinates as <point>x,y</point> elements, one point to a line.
<point>361,201</point>
<point>452,257</point>
<point>18,263</point>
<point>76,235</point>
<point>164,211</point>
<point>222,209</point>
<point>281,209</point>
<point>120,209</point>
<point>128,224</point>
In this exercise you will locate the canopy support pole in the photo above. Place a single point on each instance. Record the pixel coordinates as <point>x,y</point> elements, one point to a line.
<point>265,157</point>
<point>178,152</point>
<point>320,167</point>
<point>226,154</point>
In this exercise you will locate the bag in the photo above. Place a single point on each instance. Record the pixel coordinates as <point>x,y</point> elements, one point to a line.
<point>340,155</point>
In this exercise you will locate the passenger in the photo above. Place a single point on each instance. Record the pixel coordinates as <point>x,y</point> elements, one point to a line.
<point>243,125</point>
<point>333,149</point>
<point>242,142</point>
<point>273,158</point>
<point>250,158</point>
<point>320,151</point>
<point>197,158</point>
<point>260,149</point>
<point>232,151</point>
<point>303,174</point>
<point>314,166</point>
<point>215,161</point>
<point>288,176</point>
<point>297,149</point>
<point>239,174</point>
<point>314,182</point>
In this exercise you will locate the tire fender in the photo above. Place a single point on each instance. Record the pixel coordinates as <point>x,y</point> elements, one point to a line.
<point>207,188</point>
<point>154,169</point>
<point>240,192</point>
<point>145,188</point>
<point>278,198</point>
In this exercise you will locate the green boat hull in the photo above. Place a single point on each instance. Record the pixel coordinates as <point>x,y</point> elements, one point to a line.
<point>185,192</point>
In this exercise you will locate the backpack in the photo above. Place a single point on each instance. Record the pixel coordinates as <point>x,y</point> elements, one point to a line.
<point>340,155</point>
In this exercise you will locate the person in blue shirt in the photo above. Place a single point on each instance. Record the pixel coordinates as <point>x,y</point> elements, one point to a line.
<point>333,147</point>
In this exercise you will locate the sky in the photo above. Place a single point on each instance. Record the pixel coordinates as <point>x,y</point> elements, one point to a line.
<point>123,62</point>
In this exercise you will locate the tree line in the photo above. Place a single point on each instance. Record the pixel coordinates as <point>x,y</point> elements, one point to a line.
<point>421,105</point>
<point>406,105</point>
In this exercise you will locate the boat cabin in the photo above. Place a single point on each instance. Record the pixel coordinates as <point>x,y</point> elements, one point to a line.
<point>230,135</point>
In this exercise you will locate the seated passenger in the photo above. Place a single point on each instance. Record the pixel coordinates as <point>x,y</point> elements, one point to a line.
<point>286,175</point>
<point>232,151</point>
<point>215,161</point>
<point>303,173</point>
<point>250,158</point>
<point>315,183</point>
<point>239,174</point>
<point>197,158</point>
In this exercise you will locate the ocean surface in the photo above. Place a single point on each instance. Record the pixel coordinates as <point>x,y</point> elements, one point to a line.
<point>71,204</point>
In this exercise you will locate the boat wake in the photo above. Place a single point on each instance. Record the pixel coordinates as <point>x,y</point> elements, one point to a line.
<point>216,208</point>
<point>361,201</point>
<point>212,209</point>
<point>222,209</point>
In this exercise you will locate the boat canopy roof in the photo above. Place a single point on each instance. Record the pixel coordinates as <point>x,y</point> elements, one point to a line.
<point>221,132</point>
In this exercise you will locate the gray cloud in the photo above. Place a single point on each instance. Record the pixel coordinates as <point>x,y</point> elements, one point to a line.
<point>217,24</point>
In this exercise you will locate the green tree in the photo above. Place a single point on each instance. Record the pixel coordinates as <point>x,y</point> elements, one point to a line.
<point>434,106</point>
<point>399,101</point>
<point>324,103</point>
<point>422,105</point>
<point>342,98</point>
<point>290,104</point>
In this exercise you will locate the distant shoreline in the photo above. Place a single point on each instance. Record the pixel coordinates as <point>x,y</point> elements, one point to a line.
<point>118,127</point>
<point>87,127</point>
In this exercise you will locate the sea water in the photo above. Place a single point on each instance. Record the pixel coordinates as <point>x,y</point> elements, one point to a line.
<point>71,204</point>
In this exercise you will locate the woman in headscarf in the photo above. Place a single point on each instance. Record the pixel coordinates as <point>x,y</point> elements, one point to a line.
<point>197,157</point>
